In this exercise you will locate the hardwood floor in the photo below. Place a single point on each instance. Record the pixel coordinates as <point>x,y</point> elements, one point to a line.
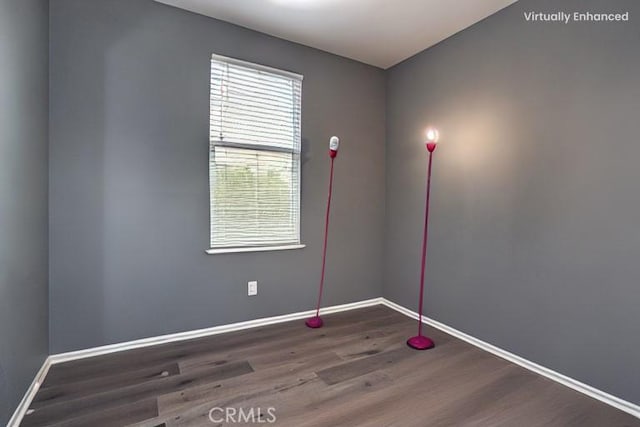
<point>356,371</point>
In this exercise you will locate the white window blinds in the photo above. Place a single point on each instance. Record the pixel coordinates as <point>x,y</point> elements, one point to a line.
<point>254,155</point>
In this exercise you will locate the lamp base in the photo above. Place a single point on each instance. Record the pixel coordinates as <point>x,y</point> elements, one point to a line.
<point>314,322</point>
<point>420,342</point>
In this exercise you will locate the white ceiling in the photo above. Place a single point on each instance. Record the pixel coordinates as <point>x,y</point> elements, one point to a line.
<point>377,32</point>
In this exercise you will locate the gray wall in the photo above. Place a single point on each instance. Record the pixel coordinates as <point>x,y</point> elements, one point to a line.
<point>535,233</point>
<point>129,180</point>
<point>23,196</point>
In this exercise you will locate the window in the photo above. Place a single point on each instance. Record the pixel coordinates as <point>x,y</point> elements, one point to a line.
<point>254,156</point>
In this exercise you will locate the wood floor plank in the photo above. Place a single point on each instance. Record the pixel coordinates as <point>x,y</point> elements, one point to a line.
<point>301,391</point>
<point>69,391</point>
<point>117,397</point>
<point>474,401</point>
<point>278,366</point>
<point>426,364</point>
<point>560,406</point>
<point>290,351</point>
<point>412,393</point>
<point>508,409</point>
<point>298,365</point>
<point>313,342</point>
<point>355,371</point>
<point>114,417</point>
<point>348,370</point>
<point>236,390</point>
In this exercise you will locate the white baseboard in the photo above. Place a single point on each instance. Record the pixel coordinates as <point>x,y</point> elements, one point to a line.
<point>581,387</point>
<point>181,336</point>
<point>24,404</point>
<point>600,395</point>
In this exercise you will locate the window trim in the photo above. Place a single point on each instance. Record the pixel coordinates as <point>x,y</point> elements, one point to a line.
<point>255,66</point>
<point>219,251</point>
<point>269,247</point>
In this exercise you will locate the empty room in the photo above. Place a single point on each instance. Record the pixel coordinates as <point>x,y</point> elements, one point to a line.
<point>320,213</point>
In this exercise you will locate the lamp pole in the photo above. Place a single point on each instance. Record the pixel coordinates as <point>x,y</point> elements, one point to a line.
<point>420,342</point>
<point>316,321</point>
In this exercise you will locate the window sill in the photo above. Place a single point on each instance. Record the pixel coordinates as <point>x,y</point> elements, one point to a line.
<point>253,249</point>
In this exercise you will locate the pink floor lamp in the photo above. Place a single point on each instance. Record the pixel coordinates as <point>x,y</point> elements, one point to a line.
<point>316,321</point>
<point>420,342</point>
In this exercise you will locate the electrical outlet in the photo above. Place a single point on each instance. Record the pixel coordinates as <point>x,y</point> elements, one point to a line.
<point>252,288</point>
